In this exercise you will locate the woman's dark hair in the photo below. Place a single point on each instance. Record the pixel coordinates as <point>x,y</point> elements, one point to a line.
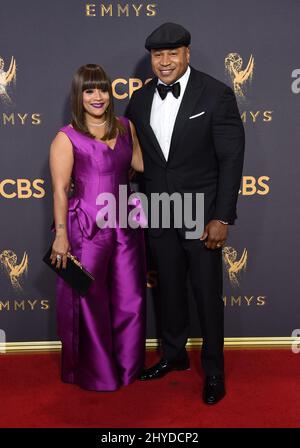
<point>92,76</point>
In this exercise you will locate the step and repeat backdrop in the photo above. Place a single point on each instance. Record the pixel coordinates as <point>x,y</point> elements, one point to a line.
<point>252,46</point>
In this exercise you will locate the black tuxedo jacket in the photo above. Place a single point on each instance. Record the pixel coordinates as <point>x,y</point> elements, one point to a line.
<point>206,152</point>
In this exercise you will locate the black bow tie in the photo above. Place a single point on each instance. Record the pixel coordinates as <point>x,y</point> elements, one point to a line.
<point>163,90</point>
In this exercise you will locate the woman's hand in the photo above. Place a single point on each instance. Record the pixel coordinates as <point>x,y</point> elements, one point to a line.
<point>60,248</point>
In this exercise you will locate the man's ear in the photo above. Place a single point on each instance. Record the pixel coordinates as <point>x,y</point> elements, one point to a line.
<point>188,53</point>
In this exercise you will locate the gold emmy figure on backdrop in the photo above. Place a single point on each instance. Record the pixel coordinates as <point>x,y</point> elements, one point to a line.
<point>9,261</point>
<point>233,265</point>
<point>239,77</point>
<point>6,77</point>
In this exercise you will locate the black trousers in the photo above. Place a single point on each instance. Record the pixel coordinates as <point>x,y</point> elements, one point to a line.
<point>175,259</point>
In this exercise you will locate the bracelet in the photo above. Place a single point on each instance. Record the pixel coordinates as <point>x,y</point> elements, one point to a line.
<point>222,222</point>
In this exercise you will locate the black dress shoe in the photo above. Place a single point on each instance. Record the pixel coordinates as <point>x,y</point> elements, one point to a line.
<point>214,389</point>
<point>163,367</point>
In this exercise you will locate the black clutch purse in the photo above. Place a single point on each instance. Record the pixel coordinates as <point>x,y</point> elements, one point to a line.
<point>74,274</point>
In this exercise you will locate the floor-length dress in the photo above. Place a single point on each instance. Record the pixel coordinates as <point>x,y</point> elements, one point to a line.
<point>103,332</point>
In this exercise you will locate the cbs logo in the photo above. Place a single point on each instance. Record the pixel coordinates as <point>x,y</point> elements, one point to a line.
<point>123,88</point>
<point>22,188</point>
<point>251,185</point>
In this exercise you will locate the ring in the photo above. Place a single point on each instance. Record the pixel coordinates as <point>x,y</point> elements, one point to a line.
<point>58,257</point>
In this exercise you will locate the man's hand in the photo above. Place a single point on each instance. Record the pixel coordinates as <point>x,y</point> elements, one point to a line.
<point>215,234</point>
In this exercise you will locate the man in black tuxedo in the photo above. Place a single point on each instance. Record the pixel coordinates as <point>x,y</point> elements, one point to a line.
<point>192,139</point>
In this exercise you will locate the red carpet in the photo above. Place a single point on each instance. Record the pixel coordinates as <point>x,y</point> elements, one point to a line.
<point>263,390</point>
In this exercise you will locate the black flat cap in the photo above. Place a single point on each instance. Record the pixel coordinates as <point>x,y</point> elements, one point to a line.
<point>168,35</point>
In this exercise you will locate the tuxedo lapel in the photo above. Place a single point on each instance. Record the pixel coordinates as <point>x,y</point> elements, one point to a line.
<point>148,99</point>
<point>190,98</point>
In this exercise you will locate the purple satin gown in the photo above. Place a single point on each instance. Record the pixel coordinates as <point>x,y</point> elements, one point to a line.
<point>102,333</point>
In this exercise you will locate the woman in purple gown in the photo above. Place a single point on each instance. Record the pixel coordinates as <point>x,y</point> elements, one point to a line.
<point>103,332</point>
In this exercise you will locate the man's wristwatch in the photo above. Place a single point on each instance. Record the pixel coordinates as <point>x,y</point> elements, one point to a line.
<point>222,222</point>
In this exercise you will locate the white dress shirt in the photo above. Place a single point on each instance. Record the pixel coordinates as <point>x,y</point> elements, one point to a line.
<point>164,113</point>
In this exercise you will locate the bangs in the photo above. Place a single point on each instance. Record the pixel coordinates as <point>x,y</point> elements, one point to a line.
<point>102,85</point>
<point>91,76</point>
